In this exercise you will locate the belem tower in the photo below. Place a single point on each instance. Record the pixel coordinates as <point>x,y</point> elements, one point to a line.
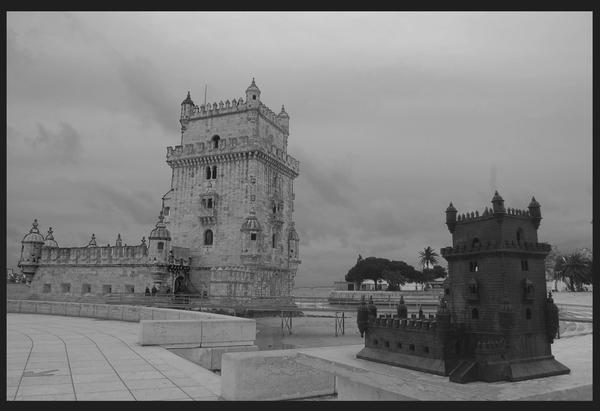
<point>228,217</point>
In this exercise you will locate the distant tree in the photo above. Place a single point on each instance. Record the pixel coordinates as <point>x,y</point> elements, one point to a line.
<point>396,273</point>
<point>438,271</point>
<point>575,269</point>
<point>550,264</point>
<point>14,277</point>
<point>427,259</point>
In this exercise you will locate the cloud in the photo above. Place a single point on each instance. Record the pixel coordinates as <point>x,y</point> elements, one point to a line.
<point>64,146</point>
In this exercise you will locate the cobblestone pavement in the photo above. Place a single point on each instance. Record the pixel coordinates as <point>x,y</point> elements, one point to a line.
<point>71,358</point>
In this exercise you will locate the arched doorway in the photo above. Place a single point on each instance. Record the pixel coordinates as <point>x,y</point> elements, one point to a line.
<point>179,285</point>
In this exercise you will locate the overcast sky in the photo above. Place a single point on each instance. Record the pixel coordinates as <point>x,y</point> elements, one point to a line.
<point>392,116</point>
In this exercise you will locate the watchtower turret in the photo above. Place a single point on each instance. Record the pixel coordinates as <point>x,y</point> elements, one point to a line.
<point>451,217</point>
<point>187,106</point>
<point>159,242</point>
<point>284,119</point>
<point>252,95</point>
<point>31,251</point>
<point>535,213</point>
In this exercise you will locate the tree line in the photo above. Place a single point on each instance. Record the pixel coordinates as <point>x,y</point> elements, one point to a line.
<point>397,273</point>
<point>574,268</point>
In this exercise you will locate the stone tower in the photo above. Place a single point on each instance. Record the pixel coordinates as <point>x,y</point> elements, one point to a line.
<point>231,200</point>
<point>31,251</point>
<point>496,288</point>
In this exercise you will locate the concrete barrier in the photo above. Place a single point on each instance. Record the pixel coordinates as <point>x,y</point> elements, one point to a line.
<point>101,311</point>
<point>131,313</point>
<point>115,312</point>
<point>87,310</point>
<point>235,331</point>
<point>28,306</point>
<point>73,309</point>
<point>209,358</point>
<point>13,306</point>
<point>271,375</point>
<point>58,308</point>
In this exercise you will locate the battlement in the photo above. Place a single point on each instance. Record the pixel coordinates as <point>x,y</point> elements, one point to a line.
<point>230,145</point>
<point>488,213</point>
<point>108,255</point>
<point>234,106</point>
<point>494,246</point>
<point>389,321</point>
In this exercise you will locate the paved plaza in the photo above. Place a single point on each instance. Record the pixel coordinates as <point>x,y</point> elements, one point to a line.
<point>71,358</point>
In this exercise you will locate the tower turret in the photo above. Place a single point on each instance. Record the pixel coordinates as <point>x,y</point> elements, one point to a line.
<point>119,242</point>
<point>92,242</point>
<point>31,250</point>
<point>451,218</point>
<point>498,206</point>
<point>293,242</point>
<point>535,213</point>
<point>159,241</point>
<point>187,106</point>
<point>253,95</point>
<point>284,118</point>
<point>251,235</point>
<point>50,242</point>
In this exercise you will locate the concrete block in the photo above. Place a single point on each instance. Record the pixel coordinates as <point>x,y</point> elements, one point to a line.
<point>13,306</point>
<point>162,332</point>
<point>209,358</point>
<point>59,308</point>
<point>73,309</point>
<point>271,375</point>
<point>28,306</point>
<point>115,312</point>
<point>87,310</point>
<point>228,332</point>
<point>131,313</point>
<point>43,307</point>
<point>100,311</point>
<point>146,313</point>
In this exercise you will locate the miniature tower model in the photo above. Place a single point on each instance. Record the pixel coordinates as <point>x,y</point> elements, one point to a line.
<point>494,321</point>
<point>231,198</point>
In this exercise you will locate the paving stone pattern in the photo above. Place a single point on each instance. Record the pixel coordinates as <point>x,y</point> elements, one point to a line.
<point>66,358</point>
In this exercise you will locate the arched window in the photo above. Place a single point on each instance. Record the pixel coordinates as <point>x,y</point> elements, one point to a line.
<point>161,245</point>
<point>274,240</point>
<point>208,172</point>
<point>214,172</point>
<point>208,237</point>
<point>520,236</point>
<point>476,243</point>
<point>528,314</point>
<point>215,141</point>
<point>475,314</point>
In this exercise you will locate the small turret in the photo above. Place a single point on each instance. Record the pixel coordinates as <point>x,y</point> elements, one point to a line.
<point>284,118</point>
<point>451,218</point>
<point>498,206</point>
<point>251,230</point>
<point>253,95</point>
<point>402,310</point>
<point>31,250</point>
<point>187,106</point>
<point>92,242</point>
<point>293,241</point>
<point>535,213</point>
<point>159,241</point>
<point>50,242</point>
<point>119,242</point>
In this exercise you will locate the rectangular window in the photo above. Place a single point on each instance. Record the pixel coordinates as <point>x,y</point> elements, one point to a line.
<point>47,288</point>
<point>106,289</point>
<point>473,267</point>
<point>66,287</point>
<point>161,245</point>
<point>524,265</point>
<point>129,288</point>
<point>86,288</point>
<point>253,236</point>
<point>167,210</point>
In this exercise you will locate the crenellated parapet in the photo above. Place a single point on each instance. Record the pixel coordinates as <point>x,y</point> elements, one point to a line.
<point>107,255</point>
<point>488,214</point>
<point>495,246</point>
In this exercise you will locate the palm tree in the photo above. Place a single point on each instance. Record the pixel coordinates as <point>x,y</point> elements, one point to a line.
<point>576,268</point>
<point>428,258</point>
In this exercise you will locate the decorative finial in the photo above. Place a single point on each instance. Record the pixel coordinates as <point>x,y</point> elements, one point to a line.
<point>144,240</point>
<point>49,236</point>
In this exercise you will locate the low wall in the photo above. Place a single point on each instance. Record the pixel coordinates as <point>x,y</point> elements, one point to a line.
<point>158,326</point>
<point>391,298</point>
<point>271,375</point>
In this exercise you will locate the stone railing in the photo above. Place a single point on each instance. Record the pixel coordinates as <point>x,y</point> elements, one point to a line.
<point>136,254</point>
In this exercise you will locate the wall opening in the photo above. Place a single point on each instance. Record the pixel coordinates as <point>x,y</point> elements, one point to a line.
<point>208,172</point>
<point>47,288</point>
<point>214,172</point>
<point>253,236</point>
<point>208,237</point>
<point>411,347</point>
<point>65,287</point>
<point>129,289</point>
<point>475,314</point>
<point>473,266</point>
<point>86,288</point>
<point>520,237</point>
<point>160,245</point>
<point>528,314</point>
<point>476,243</point>
<point>215,141</point>
<point>106,289</point>
<point>524,265</point>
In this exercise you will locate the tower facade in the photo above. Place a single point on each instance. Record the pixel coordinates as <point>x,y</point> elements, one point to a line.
<point>231,200</point>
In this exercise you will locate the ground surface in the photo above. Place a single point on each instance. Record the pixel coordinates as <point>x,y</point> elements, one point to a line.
<point>70,358</point>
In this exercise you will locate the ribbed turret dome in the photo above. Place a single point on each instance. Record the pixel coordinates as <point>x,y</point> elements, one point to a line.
<point>497,197</point>
<point>283,113</point>
<point>160,232</point>
<point>253,87</point>
<point>533,203</point>
<point>34,235</point>
<point>251,223</point>
<point>50,242</point>
<point>450,208</point>
<point>188,100</point>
